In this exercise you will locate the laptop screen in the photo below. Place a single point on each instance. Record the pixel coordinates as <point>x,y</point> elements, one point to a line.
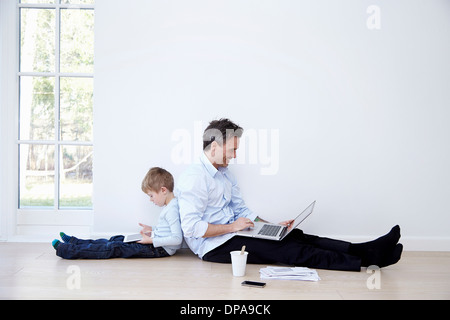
<point>302,216</point>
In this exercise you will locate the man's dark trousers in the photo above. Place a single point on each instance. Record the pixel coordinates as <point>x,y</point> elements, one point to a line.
<point>296,249</point>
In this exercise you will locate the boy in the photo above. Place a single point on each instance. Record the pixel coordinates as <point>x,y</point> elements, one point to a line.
<point>158,184</point>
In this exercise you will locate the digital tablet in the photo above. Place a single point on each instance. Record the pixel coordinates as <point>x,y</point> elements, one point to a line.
<point>134,237</point>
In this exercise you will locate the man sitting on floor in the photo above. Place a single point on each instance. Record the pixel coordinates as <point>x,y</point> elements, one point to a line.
<point>212,211</point>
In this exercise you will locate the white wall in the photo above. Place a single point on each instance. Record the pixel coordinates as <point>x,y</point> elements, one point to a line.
<point>8,123</point>
<point>353,117</point>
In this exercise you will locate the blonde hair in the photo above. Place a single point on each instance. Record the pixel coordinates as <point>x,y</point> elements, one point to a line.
<point>156,178</point>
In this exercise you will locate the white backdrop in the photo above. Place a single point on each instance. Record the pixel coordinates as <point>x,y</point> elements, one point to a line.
<point>342,103</point>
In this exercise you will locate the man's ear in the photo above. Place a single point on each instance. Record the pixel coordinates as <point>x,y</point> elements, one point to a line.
<point>213,148</point>
<point>163,189</point>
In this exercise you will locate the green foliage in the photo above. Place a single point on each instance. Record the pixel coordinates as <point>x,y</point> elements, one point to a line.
<point>39,99</point>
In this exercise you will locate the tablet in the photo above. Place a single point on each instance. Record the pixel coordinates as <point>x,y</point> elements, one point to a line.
<point>134,237</point>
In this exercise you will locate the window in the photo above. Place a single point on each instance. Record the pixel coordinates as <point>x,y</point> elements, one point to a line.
<point>55,77</point>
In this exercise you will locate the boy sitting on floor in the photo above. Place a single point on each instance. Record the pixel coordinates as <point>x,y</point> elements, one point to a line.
<point>167,237</point>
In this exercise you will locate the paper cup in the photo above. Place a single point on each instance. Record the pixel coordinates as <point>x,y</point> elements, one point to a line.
<point>238,262</point>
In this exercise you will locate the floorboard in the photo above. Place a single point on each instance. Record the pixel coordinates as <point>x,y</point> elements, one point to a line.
<point>33,271</point>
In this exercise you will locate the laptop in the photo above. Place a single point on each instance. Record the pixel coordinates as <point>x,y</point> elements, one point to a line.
<point>271,231</point>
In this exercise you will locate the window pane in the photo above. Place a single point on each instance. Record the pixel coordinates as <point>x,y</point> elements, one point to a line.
<point>76,109</point>
<point>37,1</point>
<point>37,40</point>
<point>37,108</point>
<point>77,40</point>
<point>76,177</point>
<point>78,1</point>
<point>37,175</point>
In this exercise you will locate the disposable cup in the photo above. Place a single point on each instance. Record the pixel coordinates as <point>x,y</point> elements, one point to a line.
<point>238,262</point>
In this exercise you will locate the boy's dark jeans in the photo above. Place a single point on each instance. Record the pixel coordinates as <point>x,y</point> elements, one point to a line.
<point>107,249</point>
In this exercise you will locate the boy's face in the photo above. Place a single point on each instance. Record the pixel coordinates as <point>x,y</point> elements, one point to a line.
<point>158,198</point>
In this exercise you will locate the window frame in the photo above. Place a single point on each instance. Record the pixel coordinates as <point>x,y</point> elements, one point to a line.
<point>17,223</point>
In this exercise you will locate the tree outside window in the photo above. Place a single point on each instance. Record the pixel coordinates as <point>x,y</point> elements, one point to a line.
<point>56,104</point>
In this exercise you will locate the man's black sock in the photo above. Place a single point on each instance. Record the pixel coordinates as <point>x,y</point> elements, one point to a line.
<point>375,252</point>
<point>394,257</point>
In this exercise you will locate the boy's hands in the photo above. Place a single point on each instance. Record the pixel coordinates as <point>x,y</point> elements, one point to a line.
<point>146,228</point>
<point>146,232</point>
<point>145,239</point>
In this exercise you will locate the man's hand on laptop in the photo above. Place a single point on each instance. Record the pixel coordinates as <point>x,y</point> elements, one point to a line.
<point>287,223</point>
<point>242,223</point>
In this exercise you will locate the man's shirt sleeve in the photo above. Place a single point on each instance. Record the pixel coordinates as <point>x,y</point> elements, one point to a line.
<point>193,200</point>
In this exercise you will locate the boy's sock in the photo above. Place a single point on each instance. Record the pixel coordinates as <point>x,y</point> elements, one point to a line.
<point>64,237</point>
<point>55,243</point>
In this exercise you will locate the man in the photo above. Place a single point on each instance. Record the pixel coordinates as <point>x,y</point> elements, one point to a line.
<point>212,211</point>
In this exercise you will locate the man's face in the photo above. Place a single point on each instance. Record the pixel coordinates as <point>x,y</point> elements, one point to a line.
<point>225,153</point>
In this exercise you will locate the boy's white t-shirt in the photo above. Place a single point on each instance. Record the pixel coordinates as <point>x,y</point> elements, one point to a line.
<point>167,233</point>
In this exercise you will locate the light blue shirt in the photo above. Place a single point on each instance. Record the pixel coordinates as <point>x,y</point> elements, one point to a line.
<point>207,195</point>
<point>167,233</point>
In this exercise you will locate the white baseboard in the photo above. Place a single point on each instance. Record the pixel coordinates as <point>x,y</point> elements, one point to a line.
<point>409,243</point>
<point>426,243</point>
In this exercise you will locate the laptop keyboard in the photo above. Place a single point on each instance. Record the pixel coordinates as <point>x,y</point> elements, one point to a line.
<point>269,230</point>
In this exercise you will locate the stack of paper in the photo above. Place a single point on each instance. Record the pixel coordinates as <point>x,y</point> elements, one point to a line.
<point>286,273</point>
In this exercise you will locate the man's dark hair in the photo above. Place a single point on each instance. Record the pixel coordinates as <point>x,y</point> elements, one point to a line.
<point>220,131</point>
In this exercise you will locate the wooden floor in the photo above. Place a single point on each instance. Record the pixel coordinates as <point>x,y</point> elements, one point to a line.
<point>33,271</point>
